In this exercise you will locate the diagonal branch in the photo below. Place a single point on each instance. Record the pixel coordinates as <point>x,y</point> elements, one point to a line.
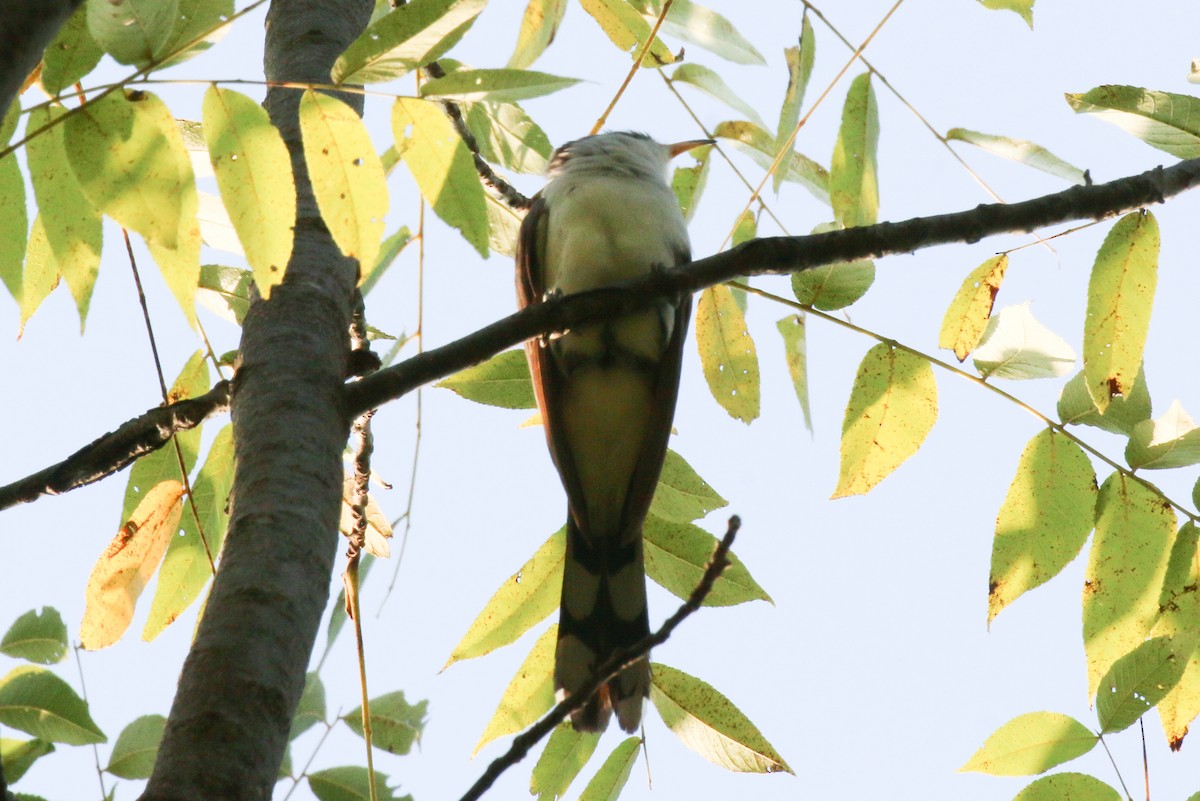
<point>776,255</point>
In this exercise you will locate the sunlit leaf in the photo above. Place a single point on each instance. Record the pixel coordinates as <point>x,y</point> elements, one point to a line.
<point>688,182</point>
<point>795,350</point>
<point>502,380</point>
<point>727,353</point>
<point>1020,151</point>
<point>892,408</point>
<point>677,555</point>
<point>132,31</point>
<point>127,564</point>
<point>499,86</point>
<point>1180,618</point>
<point>1030,744</point>
<point>396,725</point>
<point>72,54</point>
<point>254,173</point>
<point>1124,573</point>
<point>969,312</point>
<point>14,223</point>
<point>1123,414</point>
<point>225,291</point>
<point>800,66</point>
<point>565,754</point>
<point>709,724</point>
<point>197,18</point>
<point>833,286</point>
<point>1073,786</point>
<point>853,179</point>
<point>37,702</point>
<point>523,601</point>
<point>442,167</point>
<point>1140,679</point>
<point>1120,296</point>
<point>36,637</point>
<point>18,757</point>
<point>378,529</point>
<point>682,495</point>
<point>1164,120</point>
<point>1016,346</point>
<point>752,140</point>
<point>1045,518</point>
<point>628,30</point>
<point>1172,440</point>
<point>39,276</point>
<point>528,695</point>
<point>411,36</point>
<point>508,136</point>
<point>703,27</point>
<point>136,748</point>
<point>347,175</point>
<point>391,248</point>
<point>712,84</point>
<point>610,779</point>
<point>351,783</point>
<point>539,24</point>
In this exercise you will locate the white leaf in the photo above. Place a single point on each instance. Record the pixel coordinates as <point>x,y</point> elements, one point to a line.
<point>1017,346</point>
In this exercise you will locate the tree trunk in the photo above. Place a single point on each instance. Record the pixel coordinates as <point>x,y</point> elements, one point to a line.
<point>228,727</point>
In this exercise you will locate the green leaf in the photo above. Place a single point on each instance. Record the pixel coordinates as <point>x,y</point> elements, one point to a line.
<point>40,275</point>
<point>565,754</point>
<point>608,782</point>
<point>18,756</point>
<point>1140,679</point>
<point>36,637</point>
<point>504,226</point>
<point>395,724</point>
<point>225,291</point>
<point>892,408</point>
<point>311,709</point>
<point>388,252</point>
<point>677,555</point>
<point>713,85</point>
<point>628,30</point>
<point>1020,151</point>
<point>1164,120</point>
<point>682,495</point>
<point>14,223</point>
<point>1120,296</point>
<point>1016,346</point>
<point>410,36</point>
<point>196,17</point>
<point>539,24</point>
<point>351,783</point>
<point>187,566</point>
<point>760,146</point>
<point>347,175</point>
<point>1180,617</point>
<point>703,27</point>
<point>72,54</point>
<point>497,85</point>
<point>853,181</point>
<point>1123,414</point>
<point>833,286</point>
<point>727,353</point>
<point>523,601</point>
<point>1025,9</point>
<point>1073,786</point>
<point>508,136</point>
<point>254,173</point>
<point>969,311</point>
<point>795,350</point>
<point>72,226</point>
<point>136,748</point>
<point>442,167</point>
<point>1030,744</point>
<point>1172,440</point>
<point>528,695</point>
<point>37,702</point>
<point>1045,518</point>
<point>132,31</point>
<point>1124,573</point>
<point>688,182</point>
<point>502,380</point>
<point>709,724</point>
<point>800,66</point>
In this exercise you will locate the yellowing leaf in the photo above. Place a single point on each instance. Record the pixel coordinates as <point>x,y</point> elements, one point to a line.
<point>682,495</point>
<point>1059,786</point>
<point>892,408</point>
<point>528,695</point>
<point>538,26</point>
<point>853,181</point>
<point>442,167</point>
<point>968,313</point>
<point>712,84</point>
<point>677,555</point>
<point>1125,572</point>
<point>127,564</point>
<point>1123,414</point>
<point>627,30</point>
<point>254,173</point>
<point>1032,743</point>
<point>610,779</point>
<point>709,724</point>
<point>792,329</point>
<point>1172,440</point>
<point>408,37</point>
<point>565,754</point>
<point>752,140</point>
<point>1180,617</point>
<point>727,353</point>
<point>499,86</point>
<point>1120,295</point>
<point>1045,519</point>
<point>522,602</point>
<point>347,175</point>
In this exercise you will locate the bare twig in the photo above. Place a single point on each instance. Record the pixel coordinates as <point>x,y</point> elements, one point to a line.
<point>522,744</point>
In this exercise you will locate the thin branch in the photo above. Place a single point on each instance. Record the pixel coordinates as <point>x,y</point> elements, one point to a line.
<point>525,741</point>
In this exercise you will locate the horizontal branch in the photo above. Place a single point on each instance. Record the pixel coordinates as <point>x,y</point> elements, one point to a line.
<point>117,449</point>
<point>775,255</point>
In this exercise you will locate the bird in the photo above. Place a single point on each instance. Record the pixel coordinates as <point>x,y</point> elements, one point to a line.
<point>606,392</point>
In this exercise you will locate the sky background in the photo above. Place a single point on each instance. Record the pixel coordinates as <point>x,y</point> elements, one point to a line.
<point>874,671</point>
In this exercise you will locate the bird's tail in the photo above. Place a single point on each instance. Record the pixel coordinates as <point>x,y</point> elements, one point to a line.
<point>603,611</point>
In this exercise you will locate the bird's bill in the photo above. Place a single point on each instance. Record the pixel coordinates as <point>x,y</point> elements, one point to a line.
<point>683,147</point>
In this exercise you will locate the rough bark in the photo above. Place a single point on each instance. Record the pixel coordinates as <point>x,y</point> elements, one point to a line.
<point>228,727</point>
<point>25,30</point>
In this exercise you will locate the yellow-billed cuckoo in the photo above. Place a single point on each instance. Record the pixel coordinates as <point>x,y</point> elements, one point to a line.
<point>606,392</point>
